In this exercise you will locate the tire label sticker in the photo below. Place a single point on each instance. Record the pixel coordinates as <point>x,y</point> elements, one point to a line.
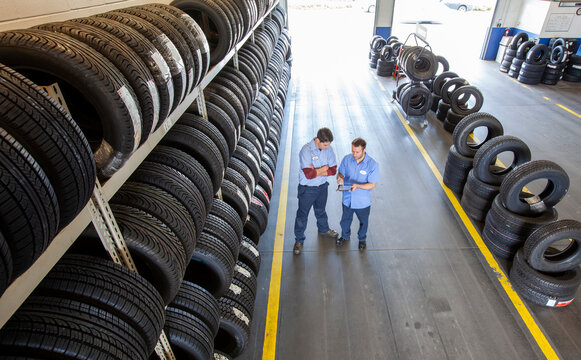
<point>155,98</point>
<point>133,110</point>
<point>240,315</point>
<point>199,31</point>
<point>252,249</point>
<point>242,271</point>
<point>165,72</point>
<point>265,194</point>
<point>191,78</point>
<point>235,289</point>
<point>263,175</point>
<point>175,55</point>
<point>255,201</point>
<point>249,173</point>
<point>241,196</point>
<point>247,189</point>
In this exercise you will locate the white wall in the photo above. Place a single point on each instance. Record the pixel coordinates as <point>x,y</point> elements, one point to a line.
<point>19,14</point>
<point>532,15</point>
<point>384,13</point>
<point>575,27</point>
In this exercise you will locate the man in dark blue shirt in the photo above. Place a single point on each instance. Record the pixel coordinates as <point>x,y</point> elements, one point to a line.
<point>361,173</point>
<point>317,161</point>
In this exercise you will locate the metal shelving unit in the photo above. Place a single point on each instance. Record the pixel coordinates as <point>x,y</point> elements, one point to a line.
<point>97,209</point>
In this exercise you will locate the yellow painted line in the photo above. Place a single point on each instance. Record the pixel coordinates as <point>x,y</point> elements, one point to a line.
<point>270,330</point>
<point>546,98</point>
<point>569,110</point>
<point>526,316</point>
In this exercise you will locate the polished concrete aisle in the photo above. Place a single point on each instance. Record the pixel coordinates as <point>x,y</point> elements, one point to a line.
<point>422,289</point>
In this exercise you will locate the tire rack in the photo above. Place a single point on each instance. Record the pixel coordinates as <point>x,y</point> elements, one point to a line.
<point>97,210</point>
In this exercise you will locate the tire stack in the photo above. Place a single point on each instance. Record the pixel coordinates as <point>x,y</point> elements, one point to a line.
<point>510,53</point>
<point>516,214</point>
<point>483,183</point>
<point>88,308</point>
<point>557,62</point>
<point>457,99</point>
<point>461,154</point>
<point>546,270</point>
<point>376,45</point>
<point>386,62</point>
<point>532,70</point>
<point>437,83</point>
<point>47,172</point>
<point>166,211</point>
<point>572,72</point>
<point>419,65</point>
<point>519,58</point>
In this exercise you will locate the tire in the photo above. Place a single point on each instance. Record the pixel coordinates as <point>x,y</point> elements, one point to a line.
<point>196,72</point>
<point>188,336</point>
<point>157,252</point>
<point>223,116</point>
<point>468,125</point>
<point>197,301</point>
<point>148,53</point>
<point>235,90</point>
<point>174,183</point>
<point>224,232</point>
<point>6,265</point>
<point>211,265</point>
<point>448,126</point>
<point>163,44</point>
<point>231,98</point>
<point>558,54</point>
<point>196,31</point>
<point>88,315</point>
<point>532,69</point>
<point>416,100</point>
<point>226,212</point>
<point>517,40</point>
<point>247,153</point>
<point>108,286</point>
<point>488,153</point>
<point>528,81</point>
<point>172,33</point>
<point>453,119</point>
<point>126,62</point>
<point>435,100</point>
<point>538,54</point>
<point>208,129</point>
<point>162,206</point>
<point>242,290</point>
<point>249,255</point>
<point>544,290</point>
<point>536,248</point>
<point>259,212</point>
<point>234,196</point>
<point>232,337</point>
<point>505,232</point>
<point>464,93</point>
<point>237,179</point>
<point>29,213</point>
<point>61,334</point>
<point>189,167</point>
<point>242,169</point>
<point>241,83</point>
<point>513,183</point>
<point>450,86</point>
<point>52,138</point>
<point>456,170</point>
<point>477,197</point>
<point>442,61</point>
<point>420,64</point>
<point>523,49</point>
<point>98,97</point>
<point>201,147</point>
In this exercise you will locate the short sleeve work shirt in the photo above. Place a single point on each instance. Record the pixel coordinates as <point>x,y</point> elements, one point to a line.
<point>310,154</point>
<point>367,171</point>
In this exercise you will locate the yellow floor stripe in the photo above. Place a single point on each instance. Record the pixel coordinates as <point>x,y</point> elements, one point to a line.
<point>270,331</point>
<point>528,319</point>
<point>569,110</point>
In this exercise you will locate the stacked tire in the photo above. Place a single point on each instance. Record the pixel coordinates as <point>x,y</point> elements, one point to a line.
<point>516,214</point>
<point>47,172</point>
<point>572,71</point>
<point>375,47</point>
<point>483,183</point>
<point>512,49</point>
<point>461,154</point>
<point>557,62</point>
<point>458,99</point>
<point>532,70</point>
<point>546,270</point>
<point>87,307</point>
<point>519,58</point>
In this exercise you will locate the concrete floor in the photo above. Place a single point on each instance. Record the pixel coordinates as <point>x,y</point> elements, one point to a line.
<point>422,289</point>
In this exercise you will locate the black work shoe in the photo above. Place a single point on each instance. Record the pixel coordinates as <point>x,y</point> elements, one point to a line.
<point>298,248</point>
<point>362,245</point>
<point>331,233</point>
<point>340,241</point>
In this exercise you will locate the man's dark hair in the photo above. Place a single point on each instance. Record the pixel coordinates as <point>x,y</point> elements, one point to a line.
<point>359,142</point>
<point>324,135</point>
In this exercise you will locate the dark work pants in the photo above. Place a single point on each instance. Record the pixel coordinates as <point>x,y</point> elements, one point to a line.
<point>311,196</point>
<point>347,219</point>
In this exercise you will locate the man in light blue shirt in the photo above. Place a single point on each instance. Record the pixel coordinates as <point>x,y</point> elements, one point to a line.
<point>361,173</point>
<point>317,161</point>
